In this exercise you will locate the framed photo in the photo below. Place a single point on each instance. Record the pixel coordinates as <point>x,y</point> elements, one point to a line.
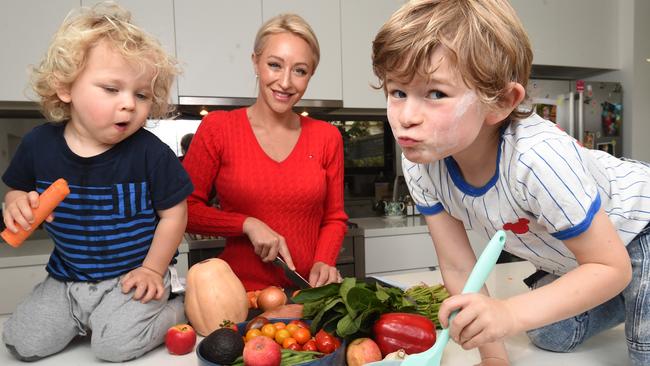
<point>589,139</point>
<point>607,147</point>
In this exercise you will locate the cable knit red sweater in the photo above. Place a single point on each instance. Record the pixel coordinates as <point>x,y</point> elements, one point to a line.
<point>301,198</point>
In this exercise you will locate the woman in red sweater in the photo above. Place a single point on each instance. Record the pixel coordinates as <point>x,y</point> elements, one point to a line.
<point>278,176</point>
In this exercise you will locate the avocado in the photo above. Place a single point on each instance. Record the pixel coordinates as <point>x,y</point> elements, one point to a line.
<point>222,346</point>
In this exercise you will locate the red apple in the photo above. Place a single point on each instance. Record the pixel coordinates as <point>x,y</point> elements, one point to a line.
<point>180,339</point>
<point>262,351</point>
<point>362,351</point>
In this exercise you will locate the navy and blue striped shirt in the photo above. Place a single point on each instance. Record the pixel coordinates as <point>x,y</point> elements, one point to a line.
<point>546,189</point>
<point>105,226</point>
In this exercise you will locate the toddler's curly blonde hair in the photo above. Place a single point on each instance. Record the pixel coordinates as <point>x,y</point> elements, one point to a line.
<point>83,29</point>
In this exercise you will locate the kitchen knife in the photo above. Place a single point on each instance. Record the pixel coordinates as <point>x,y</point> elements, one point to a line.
<point>294,276</point>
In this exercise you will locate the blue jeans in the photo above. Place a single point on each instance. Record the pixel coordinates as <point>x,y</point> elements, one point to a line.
<point>631,306</point>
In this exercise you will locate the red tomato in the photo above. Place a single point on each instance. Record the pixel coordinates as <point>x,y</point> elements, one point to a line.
<point>229,324</point>
<point>302,335</point>
<point>310,345</point>
<point>299,323</point>
<point>294,347</point>
<point>325,342</point>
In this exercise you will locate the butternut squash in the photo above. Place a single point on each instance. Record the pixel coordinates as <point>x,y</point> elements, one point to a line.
<point>213,294</point>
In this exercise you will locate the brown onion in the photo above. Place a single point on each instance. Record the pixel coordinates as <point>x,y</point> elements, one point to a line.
<point>270,298</point>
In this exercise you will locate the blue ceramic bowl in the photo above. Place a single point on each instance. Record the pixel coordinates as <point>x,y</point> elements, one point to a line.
<point>336,358</point>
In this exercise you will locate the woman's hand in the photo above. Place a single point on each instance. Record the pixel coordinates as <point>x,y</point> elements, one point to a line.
<point>481,319</point>
<point>266,242</point>
<point>322,274</point>
<point>148,284</point>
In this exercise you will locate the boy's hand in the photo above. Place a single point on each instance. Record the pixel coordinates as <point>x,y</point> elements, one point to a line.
<point>19,212</point>
<point>148,284</point>
<point>481,319</point>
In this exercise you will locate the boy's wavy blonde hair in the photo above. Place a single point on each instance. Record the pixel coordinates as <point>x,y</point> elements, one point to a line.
<point>288,23</point>
<point>83,29</point>
<point>485,40</point>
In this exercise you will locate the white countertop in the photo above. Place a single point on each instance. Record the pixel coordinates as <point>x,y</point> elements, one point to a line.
<point>385,226</point>
<point>604,349</point>
<point>37,252</point>
<point>607,348</point>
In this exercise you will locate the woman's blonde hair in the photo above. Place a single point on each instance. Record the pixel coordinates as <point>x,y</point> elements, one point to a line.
<point>287,23</point>
<point>83,29</point>
<point>485,40</point>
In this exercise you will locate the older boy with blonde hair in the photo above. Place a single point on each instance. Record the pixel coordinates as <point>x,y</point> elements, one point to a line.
<point>117,232</point>
<point>455,73</point>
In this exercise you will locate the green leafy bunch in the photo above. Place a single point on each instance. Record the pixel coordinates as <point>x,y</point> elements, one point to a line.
<point>351,308</point>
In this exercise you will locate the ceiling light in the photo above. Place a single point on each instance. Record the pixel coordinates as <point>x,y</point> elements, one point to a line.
<point>304,113</point>
<point>203,111</point>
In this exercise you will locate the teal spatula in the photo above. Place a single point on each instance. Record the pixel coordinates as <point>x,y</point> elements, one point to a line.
<point>480,272</point>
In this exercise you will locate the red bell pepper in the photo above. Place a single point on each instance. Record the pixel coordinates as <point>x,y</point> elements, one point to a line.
<point>413,333</point>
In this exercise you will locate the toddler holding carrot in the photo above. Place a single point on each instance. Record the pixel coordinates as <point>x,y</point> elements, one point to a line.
<point>118,230</point>
<point>454,72</point>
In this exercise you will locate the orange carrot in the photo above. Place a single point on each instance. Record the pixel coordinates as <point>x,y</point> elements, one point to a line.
<point>47,202</point>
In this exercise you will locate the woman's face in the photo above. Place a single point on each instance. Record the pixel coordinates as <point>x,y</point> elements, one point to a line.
<point>284,68</point>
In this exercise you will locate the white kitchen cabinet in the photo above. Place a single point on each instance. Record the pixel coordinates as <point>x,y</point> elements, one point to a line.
<point>398,253</point>
<point>159,23</point>
<point>575,33</point>
<point>23,268</point>
<point>324,16</point>
<point>26,28</point>
<point>360,21</point>
<point>214,42</point>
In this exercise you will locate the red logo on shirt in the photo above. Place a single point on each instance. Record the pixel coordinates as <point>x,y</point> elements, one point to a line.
<point>520,227</point>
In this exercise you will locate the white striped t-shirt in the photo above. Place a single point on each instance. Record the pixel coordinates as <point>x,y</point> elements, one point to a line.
<point>547,188</point>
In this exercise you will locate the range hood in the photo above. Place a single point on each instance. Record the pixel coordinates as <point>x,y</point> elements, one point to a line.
<point>191,105</point>
<point>564,72</point>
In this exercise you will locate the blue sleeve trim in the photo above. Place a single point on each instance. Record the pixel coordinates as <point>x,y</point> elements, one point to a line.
<point>581,227</point>
<point>430,210</point>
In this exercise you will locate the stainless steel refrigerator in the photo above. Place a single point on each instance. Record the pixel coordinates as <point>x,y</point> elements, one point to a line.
<point>590,111</point>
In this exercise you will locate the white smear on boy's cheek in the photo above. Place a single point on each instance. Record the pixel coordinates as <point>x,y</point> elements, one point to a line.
<point>465,102</point>
<point>447,139</point>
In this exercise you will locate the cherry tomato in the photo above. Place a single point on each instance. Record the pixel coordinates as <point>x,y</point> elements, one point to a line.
<point>294,347</point>
<point>310,345</point>
<point>337,343</point>
<point>252,333</point>
<point>229,324</point>
<point>268,330</point>
<point>288,341</point>
<point>280,325</point>
<point>281,335</point>
<point>299,323</point>
<point>325,342</point>
<point>292,328</point>
<point>302,335</point>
